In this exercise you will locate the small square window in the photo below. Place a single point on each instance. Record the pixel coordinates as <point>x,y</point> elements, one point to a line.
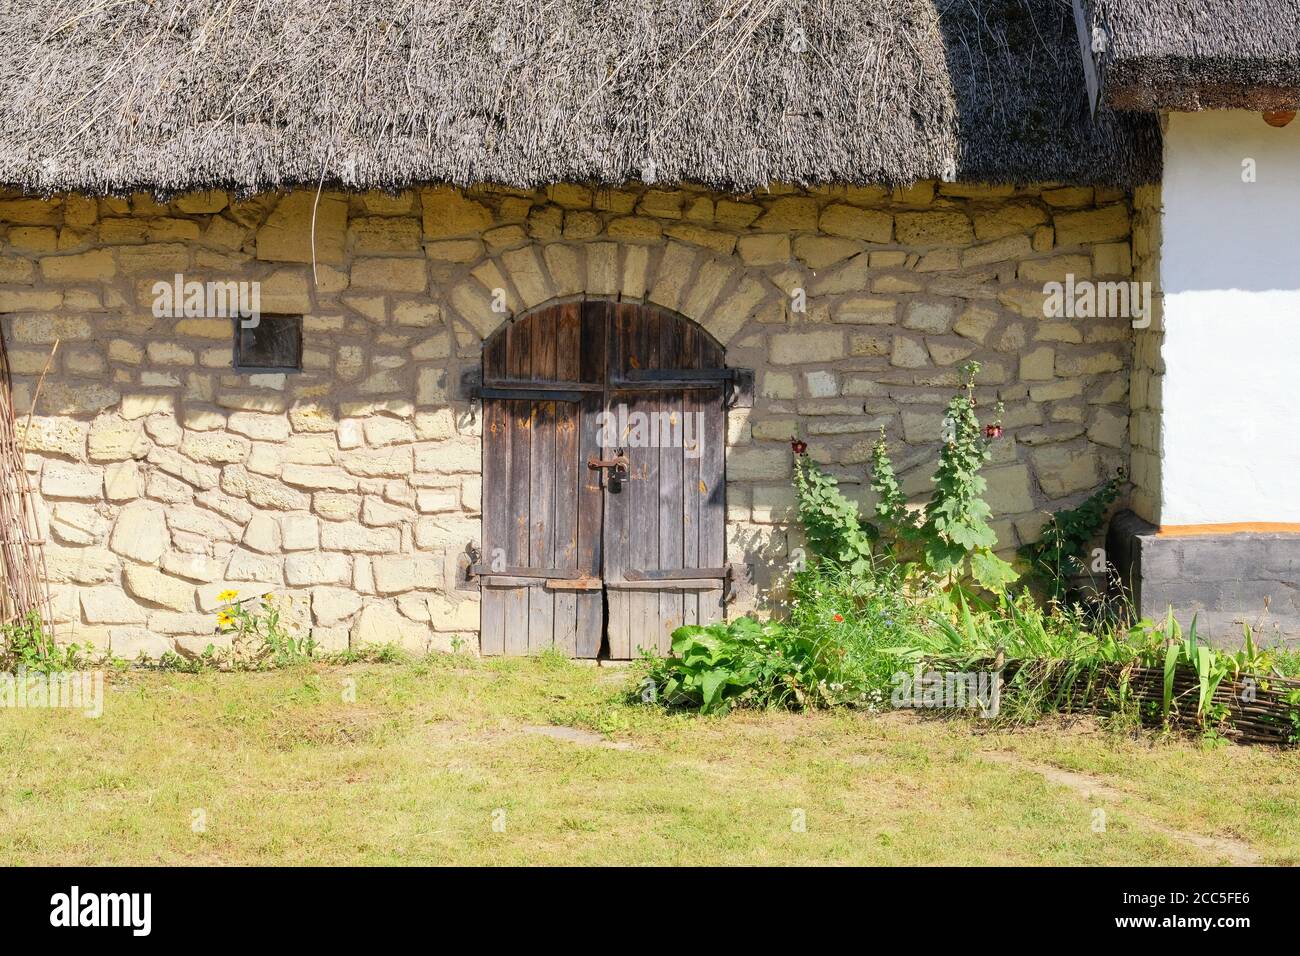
<point>273,344</point>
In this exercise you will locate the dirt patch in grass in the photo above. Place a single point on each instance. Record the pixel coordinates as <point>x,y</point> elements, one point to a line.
<point>1092,789</point>
<point>574,735</point>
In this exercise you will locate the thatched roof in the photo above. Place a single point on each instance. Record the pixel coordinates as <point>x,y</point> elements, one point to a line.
<point>110,95</point>
<point>1200,54</point>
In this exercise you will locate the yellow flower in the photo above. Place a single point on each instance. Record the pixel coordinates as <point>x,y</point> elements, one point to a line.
<point>227,595</point>
<point>225,619</point>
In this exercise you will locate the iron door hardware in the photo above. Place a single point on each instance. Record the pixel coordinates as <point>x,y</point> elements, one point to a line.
<point>618,466</point>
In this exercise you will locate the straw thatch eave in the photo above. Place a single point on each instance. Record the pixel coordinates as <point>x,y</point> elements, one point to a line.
<point>169,95</point>
<point>1200,54</point>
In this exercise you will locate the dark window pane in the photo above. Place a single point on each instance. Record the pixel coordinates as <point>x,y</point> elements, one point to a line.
<point>275,342</point>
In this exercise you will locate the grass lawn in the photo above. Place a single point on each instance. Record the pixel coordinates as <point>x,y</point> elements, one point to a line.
<point>286,771</point>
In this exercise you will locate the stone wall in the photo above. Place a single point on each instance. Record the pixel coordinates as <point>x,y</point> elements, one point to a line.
<point>351,488</point>
<point>1148,364</point>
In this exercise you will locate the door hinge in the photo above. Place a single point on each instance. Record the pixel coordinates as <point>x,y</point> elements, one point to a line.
<point>466,579</point>
<point>741,392</point>
<point>470,381</point>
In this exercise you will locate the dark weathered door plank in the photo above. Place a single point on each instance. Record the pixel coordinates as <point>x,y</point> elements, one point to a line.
<point>496,474</point>
<point>676,352</point>
<point>541,484</point>
<point>646,626</point>
<point>618,512</point>
<point>567,418</point>
<point>590,608</point>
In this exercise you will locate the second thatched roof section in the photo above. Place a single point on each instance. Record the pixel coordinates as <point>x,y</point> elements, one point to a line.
<point>247,94</point>
<point>1200,54</point>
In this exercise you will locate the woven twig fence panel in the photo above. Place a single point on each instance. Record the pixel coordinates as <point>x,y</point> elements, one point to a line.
<point>22,562</point>
<point>1247,710</point>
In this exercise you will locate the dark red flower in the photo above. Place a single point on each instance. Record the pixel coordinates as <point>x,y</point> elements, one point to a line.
<point>992,431</point>
<point>839,618</point>
<point>800,447</point>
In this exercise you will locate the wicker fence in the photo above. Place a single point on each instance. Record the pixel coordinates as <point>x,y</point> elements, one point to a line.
<point>1246,710</point>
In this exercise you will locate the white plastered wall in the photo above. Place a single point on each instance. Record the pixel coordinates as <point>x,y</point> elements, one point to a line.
<point>1230,271</point>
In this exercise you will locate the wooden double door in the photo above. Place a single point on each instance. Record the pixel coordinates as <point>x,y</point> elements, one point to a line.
<point>604,510</point>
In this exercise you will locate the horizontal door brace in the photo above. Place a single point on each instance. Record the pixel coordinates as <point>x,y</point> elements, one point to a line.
<point>739,382</point>
<point>552,584</point>
<point>680,375</point>
<point>581,584</point>
<point>679,584</point>
<point>676,574</point>
<point>532,394</point>
<point>667,385</point>
<point>568,574</point>
<point>544,385</point>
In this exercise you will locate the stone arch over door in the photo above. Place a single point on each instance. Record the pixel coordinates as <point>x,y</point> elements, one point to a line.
<point>604,514</point>
<point>712,288</point>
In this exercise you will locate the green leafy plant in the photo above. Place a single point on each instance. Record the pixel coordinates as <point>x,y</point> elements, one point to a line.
<point>171,661</point>
<point>834,528</point>
<point>710,665</point>
<point>259,635</point>
<point>1208,665</point>
<point>1058,554</point>
<point>1248,659</point>
<point>26,644</point>
<point>952,534</point>
<point>891,503</point>
<point>748,663</point>
<point>1285,661</point>
<point>1293,702</point>
<point>859,623</point>
<point>387,653</point>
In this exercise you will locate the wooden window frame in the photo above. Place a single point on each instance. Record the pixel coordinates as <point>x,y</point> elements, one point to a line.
<point>268,369</point>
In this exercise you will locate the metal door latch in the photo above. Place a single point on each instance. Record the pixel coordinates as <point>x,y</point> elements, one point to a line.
<point>618,465</point>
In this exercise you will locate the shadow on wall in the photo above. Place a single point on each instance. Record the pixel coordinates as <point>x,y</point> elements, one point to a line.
<point>762,559</point>
<point>1016,85</point>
